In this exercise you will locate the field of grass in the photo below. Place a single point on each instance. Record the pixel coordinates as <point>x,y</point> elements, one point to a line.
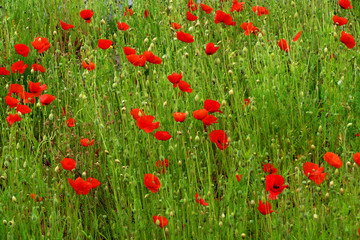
<point>280,107</point>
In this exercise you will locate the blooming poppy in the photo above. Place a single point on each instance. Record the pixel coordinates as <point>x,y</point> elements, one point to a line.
<point>19,67</point>
<point>130,11</point>
<point>184,37</point>
<point>206,8</point>
<point>297,36</point>
<point>29,97</point>
<point>83,187</point>
<point>339,20</point>
<point>41,44</point>
<point>345,4</point>
<point>347,39</point>
<point>247,101</point>
<point>151,58</point>
<point>274,185</point>
<point>260,10</point>
<point>37,67</point>
<point>200,114</point>
<point>356,158</point>
<point>22,49</point>
<point>146,123</point>
<point>161,165</point>
<point>176,26</point>
<point>12,118</point>
<point>175,78</point>
<point>123,26</point>
<point>239,177</point>
<point>36,89</point>
<point>208,120</point>
<point>11,101</point>
<point>220,138</point>
<point>129,51</point>
<point>201,201</point>
<point>104,43</point>
<point>46,99</point>
<point>23,109</point>
<point>86,142</point>
<point>314,173</point>
<point>184,86</point>
<point>191,17</point>
<point>136,60</point>
<point>90,66</point>
<point>86,15</point>
<point>152,182</point>
<point>66,26</point>
<point>333,159</point>
<point>237,6</point>
<point>137,113</point>
<point>283,45</point>
<point>70,122</point>
<point>192,6</point>
<point>269,168</point>
<point>212,106</point>
<point>249,28</point>
<point>265,209</point>
<point>160,221</point>
<point>179,116</point>
<point>17,89</point>
<point>221,16</point>
<point>210,49</point>
<point>162,135</point>
<point>146,13</point>
<point>68,164</point>
<point>4,71</point>
<point>33,196</point>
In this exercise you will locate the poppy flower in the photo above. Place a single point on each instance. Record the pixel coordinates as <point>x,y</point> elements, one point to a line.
<point>46,99</point>
<point>221,16</point>
<point>130,11</point>
<point>176,26</point>
<point>129,51</point>
<point>22,49</point>
<point>151,58</point>
<point>123,26</point>
<point>314,173</point>
<point>83,187</point>
<point>11,102</point>
<point>162,165</point>
<point>283,45</point>
<point>23,109</point>
<point>160,221</point>
<point>297,36</point>
<point>29,97</point>
<point>333,159</point>
<point>239,177</point>
<point>162,135</point>
<point>191,17</point>
<point>152,182</point>
<point>66,26</point>
<point>201,201</point>
<point>104,43</point>
<point>339,20</point>
<point>41,44</point>
<point>19,67</point>
<point>274,185</point>
<point>237,6</point>
<point>345,4</point>
<point>36,89</point>
<point>220,138</point>
<point>4,71</point>
<point>12,118</point>
<point>184,37</point>
<point>33,196</point>
<point>37,67</point>
<point>356,158</point>
<point>210,49</point>
<point>17,89</point>
<point>192,6</point>
<point>247,101</point>
<point>200,114</point>
<point>175,78</point>
<point>137,113</point>
<point>70,122</point>
<point>208,120</point>
<point>90,66</point>
<point>265,209</point>
<point>146,13</point>
<point>260,10</point>
<point>179,116</point>
<point>86,15</point>
<point>184,86</point>
<point>212,106</point>
<point>68,164</point>
<point>146,123</point>
<point>86,142</point>
<point>269,168</point>
<point>249,28</point>
<point>347,39</point>
<point>206,8</point>
<point>136,60</point>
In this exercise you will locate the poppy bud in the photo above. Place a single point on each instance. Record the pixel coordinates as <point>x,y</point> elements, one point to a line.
<point>296,15</point>
<point>179,163</point>
<point>231,92</point>
<point>341,190</point>
<point>25,164</point>
<point>348,164</point>
<point>12,223</point>
<point>32,71</point>
<point>187,55</point>
<point>223,103</point>
<point>313,147</point>
<point>54,33</point>
<point>245,50</point>
<point>102,21</point>
<point>327,195</point>
<point>293,4</point>
<point>258,81</point>
<point>115,35</point>
<point>335,35</point>
<point>51,116</point>
<point>13,199</point>
<point>154,72</point>
<point>146,40</point>
<point>252,203</point>
<point>197,138</point>
<point>165,104</point>
<point>349,125</point>
<point>220,224</point>
<point>331,183</point>
<point>84,174</point>
<point>316,216</point>
<point>230,72</point>
<point>196,98</point>
<point>4,222</point>
<point>337,172</point>
<point>217,61</point>
<point>152,45</point>
<point>166,230</point>
<point>172,214</point>
<point>243,235</point>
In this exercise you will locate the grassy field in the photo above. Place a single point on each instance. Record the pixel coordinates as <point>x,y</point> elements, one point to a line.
<point>280,107</point>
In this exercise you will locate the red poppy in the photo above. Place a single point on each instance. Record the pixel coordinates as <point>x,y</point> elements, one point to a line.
<point>36,89</point>
<point>104,43</point>
<point>68,164</point>
<point>208,120</point>
<point>11,102</point>
<point>210,49</point>
<point>86,142</point>
<point>239,177</point>
<point>274,185</point>
<point>22,49</point>
<point>269,168</point>
<point>162,165</point>
<point>237,6</point>
<point>86,15</point>
<point>297,36</point>
<point>175,78</point>
<point>176,26</point>
<point>220,138</point>
<point>129,51</point>
<point>17,89</point>
<point>33,196</point>
<point>345,4</point>
<point>162,135</point>
<point>160,221</point>
<point>90,66</point>
<point>191,17</point>
<point>184,37</point>
<point>70,122</point>
<point>4,71</point>
<point>206,8</point>
<point>212,106</point>
<point>137,113</point>
<point>339,20</point>
<point>265,209</point>
<point>357,134</point>
<point>19,67</point>
<point>23,109</point>
<point>37,67</point>
<point>151,58</point>
<point>283,45</point>
<point>41,44</point>
<point>247,101</point>
<point>356,158</point>
<point>146,123</point>
<point>314,173</point>
<point>83,187</point>
<point>260,10</point>
<point>152,182</point>
<point>200,114</point>
<point>221,16</point>
<point>136,60</point>
<point>184,86</point>
<point>146,13</point>
<point>333,159</point>
<point>66,26</point>
<point>123,26</point>
<point>201,201</point>
<point>179,116</point>
<point>130,11</point>
<point>29,97</point>
<point>46,99</point>
<point>347,39</point>
<point>249,28</point>
<point>12,118</point>
<point>191,5</point>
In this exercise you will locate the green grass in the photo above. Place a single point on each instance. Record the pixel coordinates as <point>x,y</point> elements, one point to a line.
<point>301,105</point>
